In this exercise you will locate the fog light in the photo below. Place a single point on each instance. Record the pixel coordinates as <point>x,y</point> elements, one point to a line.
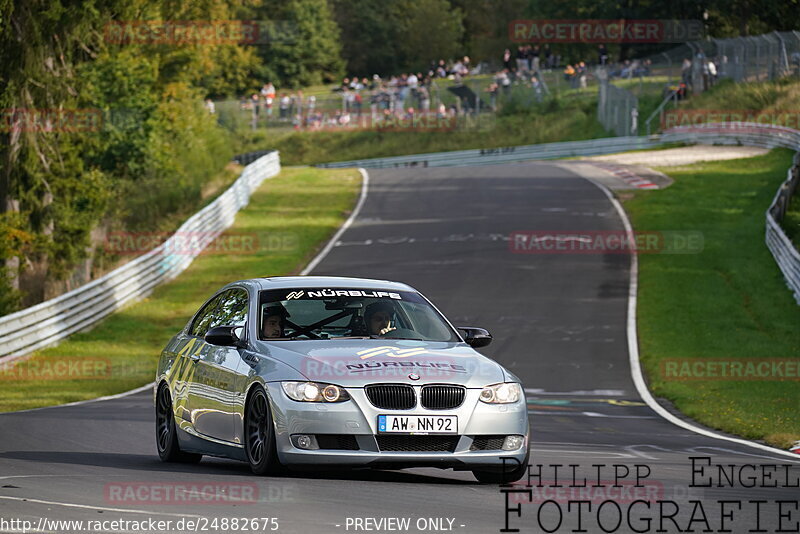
<point>513,443</point>
<point>303,441</point>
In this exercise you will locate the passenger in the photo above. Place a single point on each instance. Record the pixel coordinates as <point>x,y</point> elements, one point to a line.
<point>378,317</point>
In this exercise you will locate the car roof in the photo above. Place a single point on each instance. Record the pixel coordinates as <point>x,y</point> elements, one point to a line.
<point>284,282</point>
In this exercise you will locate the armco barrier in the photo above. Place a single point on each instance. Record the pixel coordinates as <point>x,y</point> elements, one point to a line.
<point>53,320</point>
<point>768,136</point>
<point>511,154</point>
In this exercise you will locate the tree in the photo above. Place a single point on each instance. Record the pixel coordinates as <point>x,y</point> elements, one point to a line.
<point>427,30</point>
<point>307,49</point>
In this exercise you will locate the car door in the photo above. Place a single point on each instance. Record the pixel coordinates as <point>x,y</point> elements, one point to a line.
<point>215,388</point>
<point>189,352</point>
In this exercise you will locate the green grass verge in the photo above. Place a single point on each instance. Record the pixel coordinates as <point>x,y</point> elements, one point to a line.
<point>729,302</point>
<point>292,215</point>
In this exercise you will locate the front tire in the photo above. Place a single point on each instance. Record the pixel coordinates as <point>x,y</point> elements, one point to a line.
<point>166,434</point>
<point>260,435</point>
<point>503,477</point>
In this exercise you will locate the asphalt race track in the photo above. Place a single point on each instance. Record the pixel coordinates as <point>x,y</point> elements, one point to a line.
<point>559,323</point>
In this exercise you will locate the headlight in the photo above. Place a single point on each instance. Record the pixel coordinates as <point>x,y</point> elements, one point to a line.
<point>314,392</point>
<point>505,393</point>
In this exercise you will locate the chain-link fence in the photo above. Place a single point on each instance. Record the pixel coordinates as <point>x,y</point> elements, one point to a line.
<point>617,108</point>
<point>693,68</point>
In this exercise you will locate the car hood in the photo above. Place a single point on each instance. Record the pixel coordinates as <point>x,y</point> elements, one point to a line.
<point>358,362</point>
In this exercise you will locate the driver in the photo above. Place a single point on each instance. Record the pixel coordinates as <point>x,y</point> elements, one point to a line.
<point>273,320</point>
<point>378,318</point>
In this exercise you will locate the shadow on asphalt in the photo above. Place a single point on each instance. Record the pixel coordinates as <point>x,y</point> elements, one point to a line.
<point>221,467</point>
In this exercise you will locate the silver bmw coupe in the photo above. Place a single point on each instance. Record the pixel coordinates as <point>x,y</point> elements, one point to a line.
<point>293,372</point>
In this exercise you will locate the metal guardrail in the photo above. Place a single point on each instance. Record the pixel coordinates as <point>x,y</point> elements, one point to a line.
<point>51,321</point>
<point>511,154</point>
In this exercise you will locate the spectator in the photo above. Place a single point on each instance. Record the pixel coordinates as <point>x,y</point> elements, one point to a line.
<point>507,61</point>
<point>602,54</point>
<point>493,89</point>
<point>534,59</point>
<point>254,110</point>
<point>536,85</point>
<point>284,107</point>
<point>522,61</point>
<point>504,81</point>
<point>581,73</point>
<point>210,106</point>
<point>569,75</point>
<point>548,57</point>
<point>268,95</point>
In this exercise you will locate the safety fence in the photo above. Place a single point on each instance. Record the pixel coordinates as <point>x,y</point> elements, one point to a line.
<point>51,321</point>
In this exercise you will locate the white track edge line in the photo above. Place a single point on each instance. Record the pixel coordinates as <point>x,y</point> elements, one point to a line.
<point>329,246</point>
<point>90,507</point>
<point>633,350</point>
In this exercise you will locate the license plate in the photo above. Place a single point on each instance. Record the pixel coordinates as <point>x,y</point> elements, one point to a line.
<point>418,424</point>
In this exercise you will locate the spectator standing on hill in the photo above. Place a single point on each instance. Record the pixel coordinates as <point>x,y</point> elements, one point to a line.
<point>504,81</point>
<point>548,57</point>
<point>284,106</point>
<point>522,61</point>
<point>493,89</point>
<point>569,75</point>
<point>254,108</point>
<point>536,86</point>
<point>534,55</point>
<point>508,62</point>
<point>581,73</point>
<point>602,54</point>
<point>268,96</point>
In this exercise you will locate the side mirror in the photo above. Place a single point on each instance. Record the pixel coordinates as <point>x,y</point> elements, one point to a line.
<point>476,337</point>
<point>223,336</point>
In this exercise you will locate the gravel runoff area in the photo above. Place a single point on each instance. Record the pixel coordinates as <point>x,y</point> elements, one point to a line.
<point>682,155</point>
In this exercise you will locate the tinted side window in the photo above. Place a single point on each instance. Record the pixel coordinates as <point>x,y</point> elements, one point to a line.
<point>201,322</point>
<point>232,310</point>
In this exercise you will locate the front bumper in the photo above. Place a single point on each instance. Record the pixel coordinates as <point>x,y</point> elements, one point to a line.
<point>359,418</point>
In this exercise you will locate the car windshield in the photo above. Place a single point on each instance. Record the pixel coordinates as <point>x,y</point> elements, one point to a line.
<point>329,313</point>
